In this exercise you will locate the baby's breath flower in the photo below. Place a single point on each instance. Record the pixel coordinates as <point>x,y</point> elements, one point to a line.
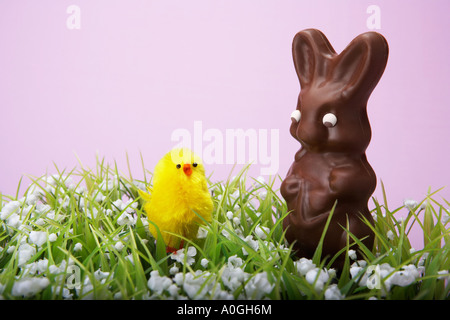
<point>262,232</point>
<point>410,204</point>
<point>390,235</point>
<point>304,265</point>
<point>119,246</point>
<point>233,277</point>
<point>183,254</point>
<point>38,237</point>
<point>235,261</point>
<point>202,233</point>
<point>252,243</point>
<point>158,283</point>
<point>8,209</point>
<point>174,270</point>
<point>204,262</point>
<point>126,219</point>
<point>333,293</point>
<point>352,254</point>
<point>24,253</point>
<point>317,277</point>
<point>28,287</point>
<point>258,286</point>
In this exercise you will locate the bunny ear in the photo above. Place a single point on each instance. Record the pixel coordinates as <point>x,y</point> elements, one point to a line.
<point>312,52</point>
<point>360,66</point>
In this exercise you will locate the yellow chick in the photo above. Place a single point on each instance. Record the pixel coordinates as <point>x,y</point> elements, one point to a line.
<point>179,196</point>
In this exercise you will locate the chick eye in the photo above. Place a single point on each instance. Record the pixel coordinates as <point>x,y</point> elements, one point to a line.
<point>194,164</point>
<point>178,166</point>
<point>296,115</point>
<point>329,120</point>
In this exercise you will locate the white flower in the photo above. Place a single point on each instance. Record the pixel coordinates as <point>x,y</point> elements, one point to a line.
<point>100,275</point>
<point>86,290</point>
<point>352,254</point>
<point>317,277</point>
<point>262,232</point>
<point>252,243</point>
<point>42,265</point>
<point>410,204</point>
<point>404,277</point>
<point>28,287</point>
<point>24,253</point>
<point>9,208</point>
<point>202,233</point>
<point>118,205</point>
<point>107,185</point>
<point>204,262</point>
<point>235,261</point>
<point>130,258</point>
<point>220,294</point>
<point>304,265</point>
<point>52,237</point>
<point>230,215</point>
<point>157,283</point>
<point>38,237</point>
<point>174,270</point>
<point>126,218</point>
<point>14,221</point>
<point>445,217</point>
<point>333,293</point>
<point>233,277</point>
<point>226,234</point>
<point>182,253</point>
<point>258,286</point>
<point>78,247</point>
<point>196,285</point>
<point>261,180</point>
<point>40,222</point>
<point>119,245</point>
<point>31,199</point>
<point>390,235</point>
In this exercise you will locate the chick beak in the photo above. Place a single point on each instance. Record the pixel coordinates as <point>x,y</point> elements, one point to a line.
<point>187,169</point>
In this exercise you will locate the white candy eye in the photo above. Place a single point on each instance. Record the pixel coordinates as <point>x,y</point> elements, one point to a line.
<point>329,120</point>
<point>296,115</point>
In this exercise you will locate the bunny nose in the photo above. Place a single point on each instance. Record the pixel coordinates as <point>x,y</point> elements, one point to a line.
<point>187,169</point>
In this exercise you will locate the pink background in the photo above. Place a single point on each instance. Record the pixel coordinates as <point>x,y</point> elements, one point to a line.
<point>138,70</point>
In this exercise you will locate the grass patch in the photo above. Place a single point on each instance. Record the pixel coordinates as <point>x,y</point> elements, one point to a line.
<point>82,234</point>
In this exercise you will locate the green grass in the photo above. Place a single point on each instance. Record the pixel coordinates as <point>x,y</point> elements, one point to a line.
<point>82,234</point>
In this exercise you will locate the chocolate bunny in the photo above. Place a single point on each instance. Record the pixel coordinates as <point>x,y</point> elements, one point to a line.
<point>332,126</point>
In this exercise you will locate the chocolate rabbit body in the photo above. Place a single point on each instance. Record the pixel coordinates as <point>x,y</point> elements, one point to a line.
<point>332,126</point>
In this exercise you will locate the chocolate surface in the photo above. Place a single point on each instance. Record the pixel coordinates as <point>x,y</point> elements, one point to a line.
<point>334,131</point>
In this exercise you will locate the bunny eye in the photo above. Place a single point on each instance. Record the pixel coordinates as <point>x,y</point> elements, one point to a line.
<point>295,115</point>
<point>329,120</point>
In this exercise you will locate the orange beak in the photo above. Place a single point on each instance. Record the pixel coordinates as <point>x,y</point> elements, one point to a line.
<point>187,169</point>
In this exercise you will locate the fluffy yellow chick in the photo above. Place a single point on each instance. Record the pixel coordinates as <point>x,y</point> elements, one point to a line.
<point>178,197</point>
